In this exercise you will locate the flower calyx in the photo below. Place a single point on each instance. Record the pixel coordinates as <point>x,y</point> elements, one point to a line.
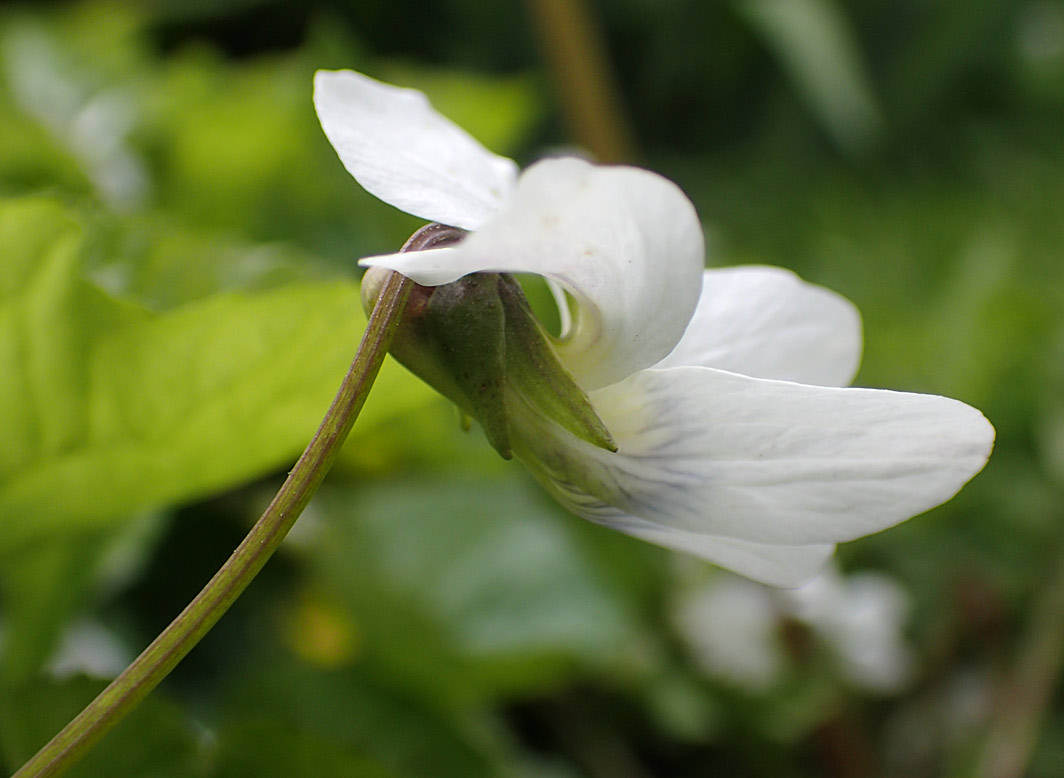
<point>478,342</point>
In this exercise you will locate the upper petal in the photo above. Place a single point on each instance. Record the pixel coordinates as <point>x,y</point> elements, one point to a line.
<point>625,242</point>
<point>768,323</point>
<point>401,150</point>
<point>708,452</point>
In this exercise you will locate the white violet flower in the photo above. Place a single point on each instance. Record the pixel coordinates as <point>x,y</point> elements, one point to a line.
<point>734,628</point>
<point>728,433</point>
<point>862,616</point>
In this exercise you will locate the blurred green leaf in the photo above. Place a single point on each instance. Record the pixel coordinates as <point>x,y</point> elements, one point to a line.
<point>817,47</point>
<point>107,409</point>
<point>275,748</point>
<point>156,741</point>
<point>71,95</point>
<point>348,717</point>
<point>473,574</point>
<point>41,587</point>
<point>237,146</point>
<point>162,264</point>
<point>29,158</point>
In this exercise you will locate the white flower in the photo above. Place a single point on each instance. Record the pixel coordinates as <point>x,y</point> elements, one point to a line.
<point>733,628</point>
<point>719,387</point>
<point>862,618</point>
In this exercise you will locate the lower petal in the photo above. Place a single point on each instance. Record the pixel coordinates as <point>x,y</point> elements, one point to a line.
<point>703,452</point>
<point>786,566</point>
<point>773,564</point>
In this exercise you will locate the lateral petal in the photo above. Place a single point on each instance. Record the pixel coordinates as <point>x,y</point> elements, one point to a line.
<point>766,322</point>
<point>402,151</point>
<point>624,242</point>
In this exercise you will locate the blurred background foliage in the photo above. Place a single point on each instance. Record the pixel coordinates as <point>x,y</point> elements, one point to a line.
<point>178,300</point>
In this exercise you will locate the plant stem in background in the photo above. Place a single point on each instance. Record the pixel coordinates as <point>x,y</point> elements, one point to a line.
<point>1025,695</point>
<point>576,55</point>
<point>158,659</point>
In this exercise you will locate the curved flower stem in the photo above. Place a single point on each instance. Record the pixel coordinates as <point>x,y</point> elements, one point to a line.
<point>185,631</point>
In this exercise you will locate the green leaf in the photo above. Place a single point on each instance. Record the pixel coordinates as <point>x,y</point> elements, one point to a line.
<point>163,264</point>
<point>817,46</point>
<point>266,748</point>
<point>107,409</point>
<point>477,575</point>
<point>156,741</point>
<point>345,717</point>
<point>58,85</point>
<point>40,588</point>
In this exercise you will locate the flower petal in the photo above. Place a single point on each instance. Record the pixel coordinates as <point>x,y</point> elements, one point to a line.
<point>786,566</point>
<point>708,452</point>
<point>766,322</point>
<point>777,565</point>
<point>625,242</point>
<point>401,150</point>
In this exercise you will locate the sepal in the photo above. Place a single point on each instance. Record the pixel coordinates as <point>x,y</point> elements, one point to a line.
<point>534,372</point>
<point>477,342</point>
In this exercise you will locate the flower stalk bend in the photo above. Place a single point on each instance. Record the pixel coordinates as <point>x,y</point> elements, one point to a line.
<point>184,632</point>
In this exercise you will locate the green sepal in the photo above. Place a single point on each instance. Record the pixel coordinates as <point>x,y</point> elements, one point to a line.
<point>476,341</point>
<point>465,324</point>
<point>533,370</point>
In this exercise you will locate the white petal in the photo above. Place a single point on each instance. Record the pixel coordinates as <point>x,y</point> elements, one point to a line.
<point>431,267</point>
<point>768,323</point>
<point>713,453</point>
<point>401,150</point>
<point>625,242</point>
<point>772,564</point>
<point>786,566</point>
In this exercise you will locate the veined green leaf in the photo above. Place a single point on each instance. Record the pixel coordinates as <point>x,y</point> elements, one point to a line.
<point>106,408</point>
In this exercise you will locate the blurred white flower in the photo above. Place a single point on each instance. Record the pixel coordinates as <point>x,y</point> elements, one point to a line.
<point>93,125</point>
<point>88,648</point>
<point>720,388</point>
<point>862,618</point>
<point>734,628</point>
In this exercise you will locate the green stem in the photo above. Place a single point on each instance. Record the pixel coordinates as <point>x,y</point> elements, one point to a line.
<point>170,647</point>
<point>1024,701</point>
<point>575,51</point>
